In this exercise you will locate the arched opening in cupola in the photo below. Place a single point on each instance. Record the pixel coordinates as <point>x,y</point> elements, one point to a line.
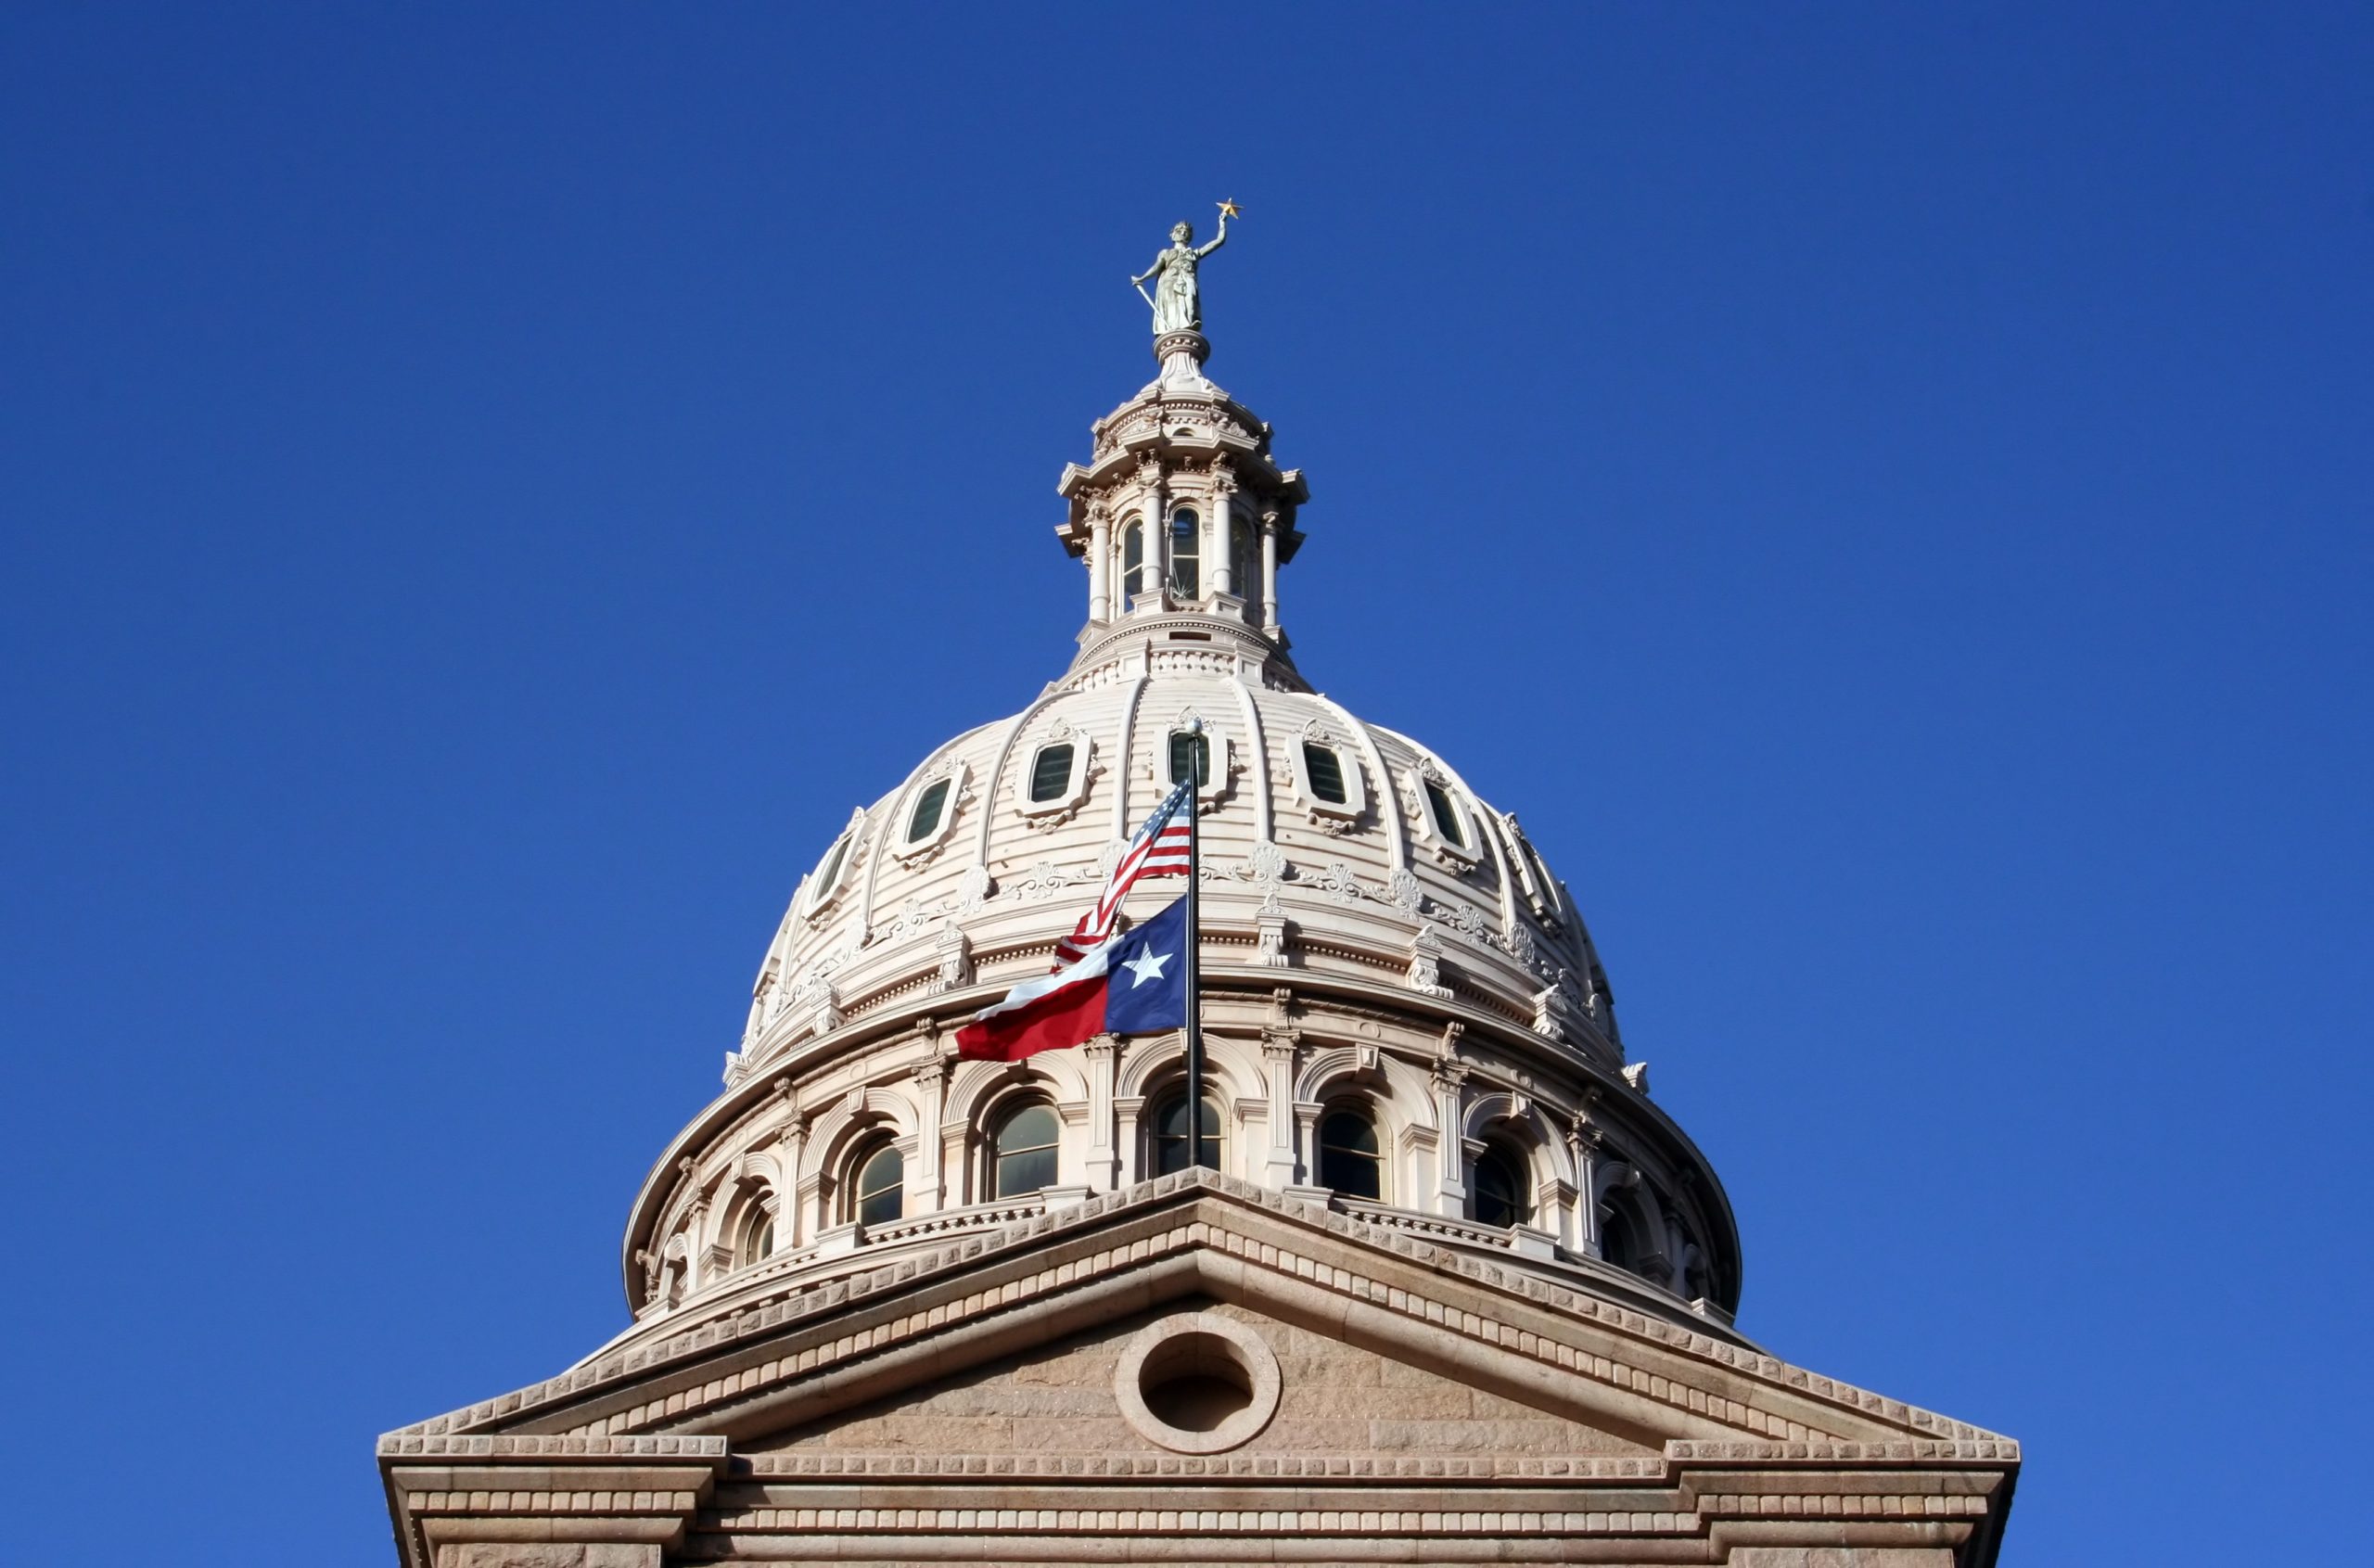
<point>1186,554</point>
<point>1133,556</point>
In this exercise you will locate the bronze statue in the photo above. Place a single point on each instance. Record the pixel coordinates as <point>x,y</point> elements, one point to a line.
<point>1178,304</point>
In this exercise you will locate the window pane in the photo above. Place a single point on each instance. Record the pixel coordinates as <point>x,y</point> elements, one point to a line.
<point>1615,1241</point>
<point>1348,1156</point>
<point>762,1242</point>
<point>1186,552</point>
<point>1033,1127</point>
<point>1348,1129</point>
<point>1323,770</point>
<point>1243,563</point>
<point>1447,821</point>
<point>1051,773</point>
<point>1191,753</point>
<point>881,1190</point>
<point>1133,551</point>
<point>829,874</point>
<point>1025,1151</point>
<point>1541,882</point>
<point>928,806</point>
<point>1020,1175</point>
<point>1500,1189</point>
<point>1170,1137</point>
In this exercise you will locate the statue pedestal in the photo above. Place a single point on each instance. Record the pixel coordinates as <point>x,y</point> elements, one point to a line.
<point>1182,354</point>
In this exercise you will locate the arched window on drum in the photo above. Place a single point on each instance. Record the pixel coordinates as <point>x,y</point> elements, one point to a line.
<point>1023,1150</point>
<point>1500,1191</point>
<point>757,1241</point>
<point>1351,1158</point>
<point>1621,1236</point>
<point>1171,1152</point>
<point>877,1184</point>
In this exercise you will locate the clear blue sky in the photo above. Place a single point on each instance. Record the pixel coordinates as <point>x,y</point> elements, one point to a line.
<point>1883,491</point>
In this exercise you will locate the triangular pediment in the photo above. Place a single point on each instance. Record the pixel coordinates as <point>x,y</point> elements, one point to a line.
<point>1419,1403</point>
<point>1064,1402</point>
<point>928,1324</point>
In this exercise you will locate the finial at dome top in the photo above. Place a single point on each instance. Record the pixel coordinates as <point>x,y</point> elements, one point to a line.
<point>1177,299</point>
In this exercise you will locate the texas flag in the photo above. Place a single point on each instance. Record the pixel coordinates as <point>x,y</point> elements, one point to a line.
<point>1134,984</point>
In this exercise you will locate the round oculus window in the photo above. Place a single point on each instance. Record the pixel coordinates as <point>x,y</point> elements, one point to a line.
<point>1196,1382</point>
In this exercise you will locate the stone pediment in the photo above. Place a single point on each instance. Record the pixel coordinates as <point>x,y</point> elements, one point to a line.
<point>990,1367</point>
<point>1060,1405</point>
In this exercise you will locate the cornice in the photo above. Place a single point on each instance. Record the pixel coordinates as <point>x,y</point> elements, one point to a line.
<point>1287,1254</point>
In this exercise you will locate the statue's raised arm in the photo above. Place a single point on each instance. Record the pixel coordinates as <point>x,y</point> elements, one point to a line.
<point>1219,239</point>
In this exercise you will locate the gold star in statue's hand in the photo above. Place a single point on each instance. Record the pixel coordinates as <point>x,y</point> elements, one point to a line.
<point>1229,210</point>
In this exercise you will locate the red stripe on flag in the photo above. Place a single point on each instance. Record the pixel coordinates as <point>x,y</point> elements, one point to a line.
<point>1066,1017</point>
<point>1166,854</point>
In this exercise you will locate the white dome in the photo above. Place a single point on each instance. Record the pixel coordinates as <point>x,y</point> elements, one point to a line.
<point>1376,943</point>
<point>959,878</point>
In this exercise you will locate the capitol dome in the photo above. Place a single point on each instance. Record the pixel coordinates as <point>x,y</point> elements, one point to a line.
<point>1405,1018</point>
<point>1357,1239</point>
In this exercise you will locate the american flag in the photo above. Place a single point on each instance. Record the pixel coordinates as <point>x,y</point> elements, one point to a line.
<point>1161,849</point>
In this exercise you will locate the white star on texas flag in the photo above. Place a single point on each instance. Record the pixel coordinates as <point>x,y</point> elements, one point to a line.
<point>1146,966</point>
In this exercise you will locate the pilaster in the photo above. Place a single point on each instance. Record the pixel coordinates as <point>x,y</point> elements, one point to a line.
<point>1104,1162</point>
<point>1281,1053</point>
<point>1449,1078</point>
<point>926,1192</point>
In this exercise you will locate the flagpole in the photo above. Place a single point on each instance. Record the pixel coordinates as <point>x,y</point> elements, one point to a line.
<point>1194,944</point>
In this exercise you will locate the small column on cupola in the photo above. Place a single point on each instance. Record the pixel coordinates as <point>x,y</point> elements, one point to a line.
<point>1100,561</point>
<point>1152,509</point>
<point>1219,529</point>
<point>1268,607</point>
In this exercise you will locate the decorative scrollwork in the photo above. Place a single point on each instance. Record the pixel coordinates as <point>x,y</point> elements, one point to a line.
<point>1046,879</point>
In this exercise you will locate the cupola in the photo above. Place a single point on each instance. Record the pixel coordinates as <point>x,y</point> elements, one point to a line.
<point>1182,507</point>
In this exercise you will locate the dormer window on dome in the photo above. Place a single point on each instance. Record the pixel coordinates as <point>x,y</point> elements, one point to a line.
<point>1540,889</point>
<point>1322,770</point>
<point>1051,773</point>
<point>834,868</point>
<point>1190,757</point>
<point>1449,822</point>
<point>924,821</point>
